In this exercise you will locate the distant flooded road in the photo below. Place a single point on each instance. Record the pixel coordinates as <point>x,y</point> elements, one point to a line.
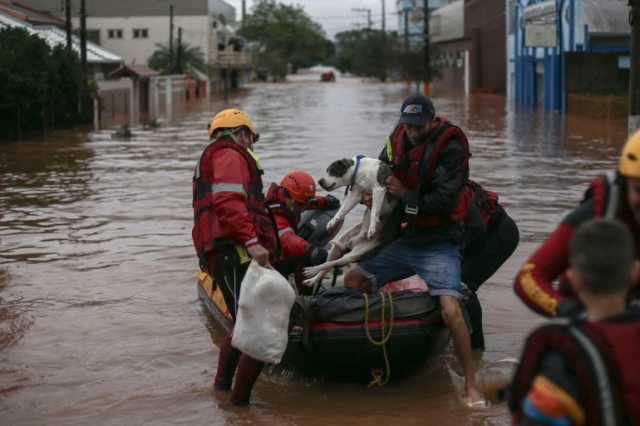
<point>99,317</point>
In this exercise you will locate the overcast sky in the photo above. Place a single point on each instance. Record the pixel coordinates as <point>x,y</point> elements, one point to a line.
<point>336,15</point>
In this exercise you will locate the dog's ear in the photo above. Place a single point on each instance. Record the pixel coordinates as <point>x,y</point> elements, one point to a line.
<point>384,171</point>
<point>340,167</point>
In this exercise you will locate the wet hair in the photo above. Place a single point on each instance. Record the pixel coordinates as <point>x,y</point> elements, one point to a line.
<point>602,252</point>
<point>340,167</point>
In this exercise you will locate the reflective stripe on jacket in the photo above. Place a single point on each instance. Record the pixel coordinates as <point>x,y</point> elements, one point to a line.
<point>228,202</point>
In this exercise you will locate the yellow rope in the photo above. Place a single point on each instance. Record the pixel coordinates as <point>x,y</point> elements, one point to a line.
<point>385,335</point>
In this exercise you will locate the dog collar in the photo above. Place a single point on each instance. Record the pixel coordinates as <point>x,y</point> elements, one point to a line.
<point>355,173</point>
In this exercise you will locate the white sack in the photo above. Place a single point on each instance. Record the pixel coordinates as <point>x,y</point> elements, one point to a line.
<point>262,321</point>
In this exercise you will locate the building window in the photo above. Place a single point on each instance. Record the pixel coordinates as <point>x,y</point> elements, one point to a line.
<point>114,33</point>
<point>93,36</point>
<point>140,33</point>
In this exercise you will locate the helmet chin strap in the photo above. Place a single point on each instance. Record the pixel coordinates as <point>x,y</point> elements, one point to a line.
<point>231,134</point>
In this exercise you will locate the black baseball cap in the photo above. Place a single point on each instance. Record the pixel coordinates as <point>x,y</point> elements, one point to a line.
<point>417,110</point>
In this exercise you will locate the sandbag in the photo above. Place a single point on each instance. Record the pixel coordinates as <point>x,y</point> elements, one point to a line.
<point>262,322</point>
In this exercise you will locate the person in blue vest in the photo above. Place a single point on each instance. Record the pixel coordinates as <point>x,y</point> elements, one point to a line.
<point>429,158</point>
<point>585,371</point>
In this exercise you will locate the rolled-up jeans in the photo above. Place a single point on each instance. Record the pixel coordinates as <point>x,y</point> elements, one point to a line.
<point>437,263</point>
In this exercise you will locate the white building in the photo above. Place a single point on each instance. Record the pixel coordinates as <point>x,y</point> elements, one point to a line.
<point>135,28</point>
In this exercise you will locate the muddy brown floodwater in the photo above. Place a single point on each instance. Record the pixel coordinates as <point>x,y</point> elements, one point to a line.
<point>99,317</point>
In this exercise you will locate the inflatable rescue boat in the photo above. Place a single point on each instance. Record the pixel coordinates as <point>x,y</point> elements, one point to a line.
<point>346,335</point>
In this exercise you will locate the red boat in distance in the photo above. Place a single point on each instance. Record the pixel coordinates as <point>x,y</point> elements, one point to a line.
<point>328,76</point>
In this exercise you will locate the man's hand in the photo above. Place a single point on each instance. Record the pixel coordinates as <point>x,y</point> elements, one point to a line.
<point>332,202</point>
<point>259,253</point>
<point>395,187</point>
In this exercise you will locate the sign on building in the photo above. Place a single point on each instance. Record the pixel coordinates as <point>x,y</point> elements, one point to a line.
<point>540,25</point>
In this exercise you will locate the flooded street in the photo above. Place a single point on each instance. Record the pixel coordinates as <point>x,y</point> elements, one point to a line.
<point>99,317</point>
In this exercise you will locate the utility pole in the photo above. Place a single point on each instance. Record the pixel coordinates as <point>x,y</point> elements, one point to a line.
<point>179,54</point>
<point>244,11</point>
<point>406,31</point>
<point>67,26</point>
<point>383,75</point>
<point>634,67</point>
<point>364,9</point>
<point>170,67</point>
<point>83,36</point>
<point>426,88</point>
<point>84,101</point>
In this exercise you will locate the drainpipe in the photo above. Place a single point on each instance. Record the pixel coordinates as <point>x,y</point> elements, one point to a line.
<point>517,55</point>
<point>560,106</point>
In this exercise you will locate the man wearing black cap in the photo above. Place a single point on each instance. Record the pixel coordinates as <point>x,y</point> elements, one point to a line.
<point>430,162</point>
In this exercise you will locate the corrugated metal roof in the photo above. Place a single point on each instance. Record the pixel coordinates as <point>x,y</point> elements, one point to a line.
<point>55,36</point>
<point>606,16</point>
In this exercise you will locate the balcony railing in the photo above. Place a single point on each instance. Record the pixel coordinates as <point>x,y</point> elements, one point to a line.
<point>226,59</point>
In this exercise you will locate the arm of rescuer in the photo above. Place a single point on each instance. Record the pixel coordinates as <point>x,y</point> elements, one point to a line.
<point>533,283</point>
<point>322,203</point>
<point>553,397</point>
<point>294,247</point>
<point>230,188</point>
<point>448,180</point>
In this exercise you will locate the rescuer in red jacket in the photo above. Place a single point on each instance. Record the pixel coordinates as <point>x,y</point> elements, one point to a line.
<point>231,226</point>
<point>286,201</point>
<point>586,371</point>
<point>614,195</point>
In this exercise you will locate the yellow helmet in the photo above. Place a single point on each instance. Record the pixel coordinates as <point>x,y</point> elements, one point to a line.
<point>230,119</point>
<point>629,165</point>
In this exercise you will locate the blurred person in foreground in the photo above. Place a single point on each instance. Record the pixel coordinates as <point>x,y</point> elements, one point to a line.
<point>612,195</point>
<point>585,371</point>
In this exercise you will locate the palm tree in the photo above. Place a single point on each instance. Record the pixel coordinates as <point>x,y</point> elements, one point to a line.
<point>184,59</point>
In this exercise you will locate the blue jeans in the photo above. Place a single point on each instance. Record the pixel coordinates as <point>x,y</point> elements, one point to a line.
<point>438,264</point>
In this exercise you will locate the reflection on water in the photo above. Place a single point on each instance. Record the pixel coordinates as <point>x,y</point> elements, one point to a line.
<point>99,321</point>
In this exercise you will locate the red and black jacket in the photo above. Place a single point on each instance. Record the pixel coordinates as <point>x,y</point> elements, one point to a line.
<point>534,283</point>
<point>603,359</point>
<point>436,173</point>
<point>292,246</point>
<point>228,203</point>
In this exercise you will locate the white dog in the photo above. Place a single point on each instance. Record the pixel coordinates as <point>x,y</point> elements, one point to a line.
<point>357,175</point>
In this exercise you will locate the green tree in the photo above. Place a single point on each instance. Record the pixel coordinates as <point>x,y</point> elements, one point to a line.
<point>285,35</point>
<point>39,86</point>
<point>370,53</point>
<point>186,59</point>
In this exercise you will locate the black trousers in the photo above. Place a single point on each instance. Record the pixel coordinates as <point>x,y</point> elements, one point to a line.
<point>481,259</point>
<point>227,272</point>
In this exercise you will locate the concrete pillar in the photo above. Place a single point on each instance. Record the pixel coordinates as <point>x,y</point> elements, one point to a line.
<point>132,102</point>
<point>96,113</point>
<point>467,73</point>
<point>169,96</point>
<point>156,97</point>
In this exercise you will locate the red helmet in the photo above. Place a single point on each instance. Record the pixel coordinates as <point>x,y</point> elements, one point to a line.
<point>300,186</point>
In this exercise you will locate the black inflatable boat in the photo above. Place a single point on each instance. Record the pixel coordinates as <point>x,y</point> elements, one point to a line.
<point>343,334</point>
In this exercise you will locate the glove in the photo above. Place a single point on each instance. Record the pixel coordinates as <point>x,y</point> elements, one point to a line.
<point>315,256</point>
<point>331,202</point>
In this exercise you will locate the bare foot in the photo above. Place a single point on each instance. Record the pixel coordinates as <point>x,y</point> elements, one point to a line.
<point>474,397</point>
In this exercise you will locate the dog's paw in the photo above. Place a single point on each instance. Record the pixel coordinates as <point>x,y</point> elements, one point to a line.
<point>310,271</point>
<point>310,282</point>
<point>371,233</point>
